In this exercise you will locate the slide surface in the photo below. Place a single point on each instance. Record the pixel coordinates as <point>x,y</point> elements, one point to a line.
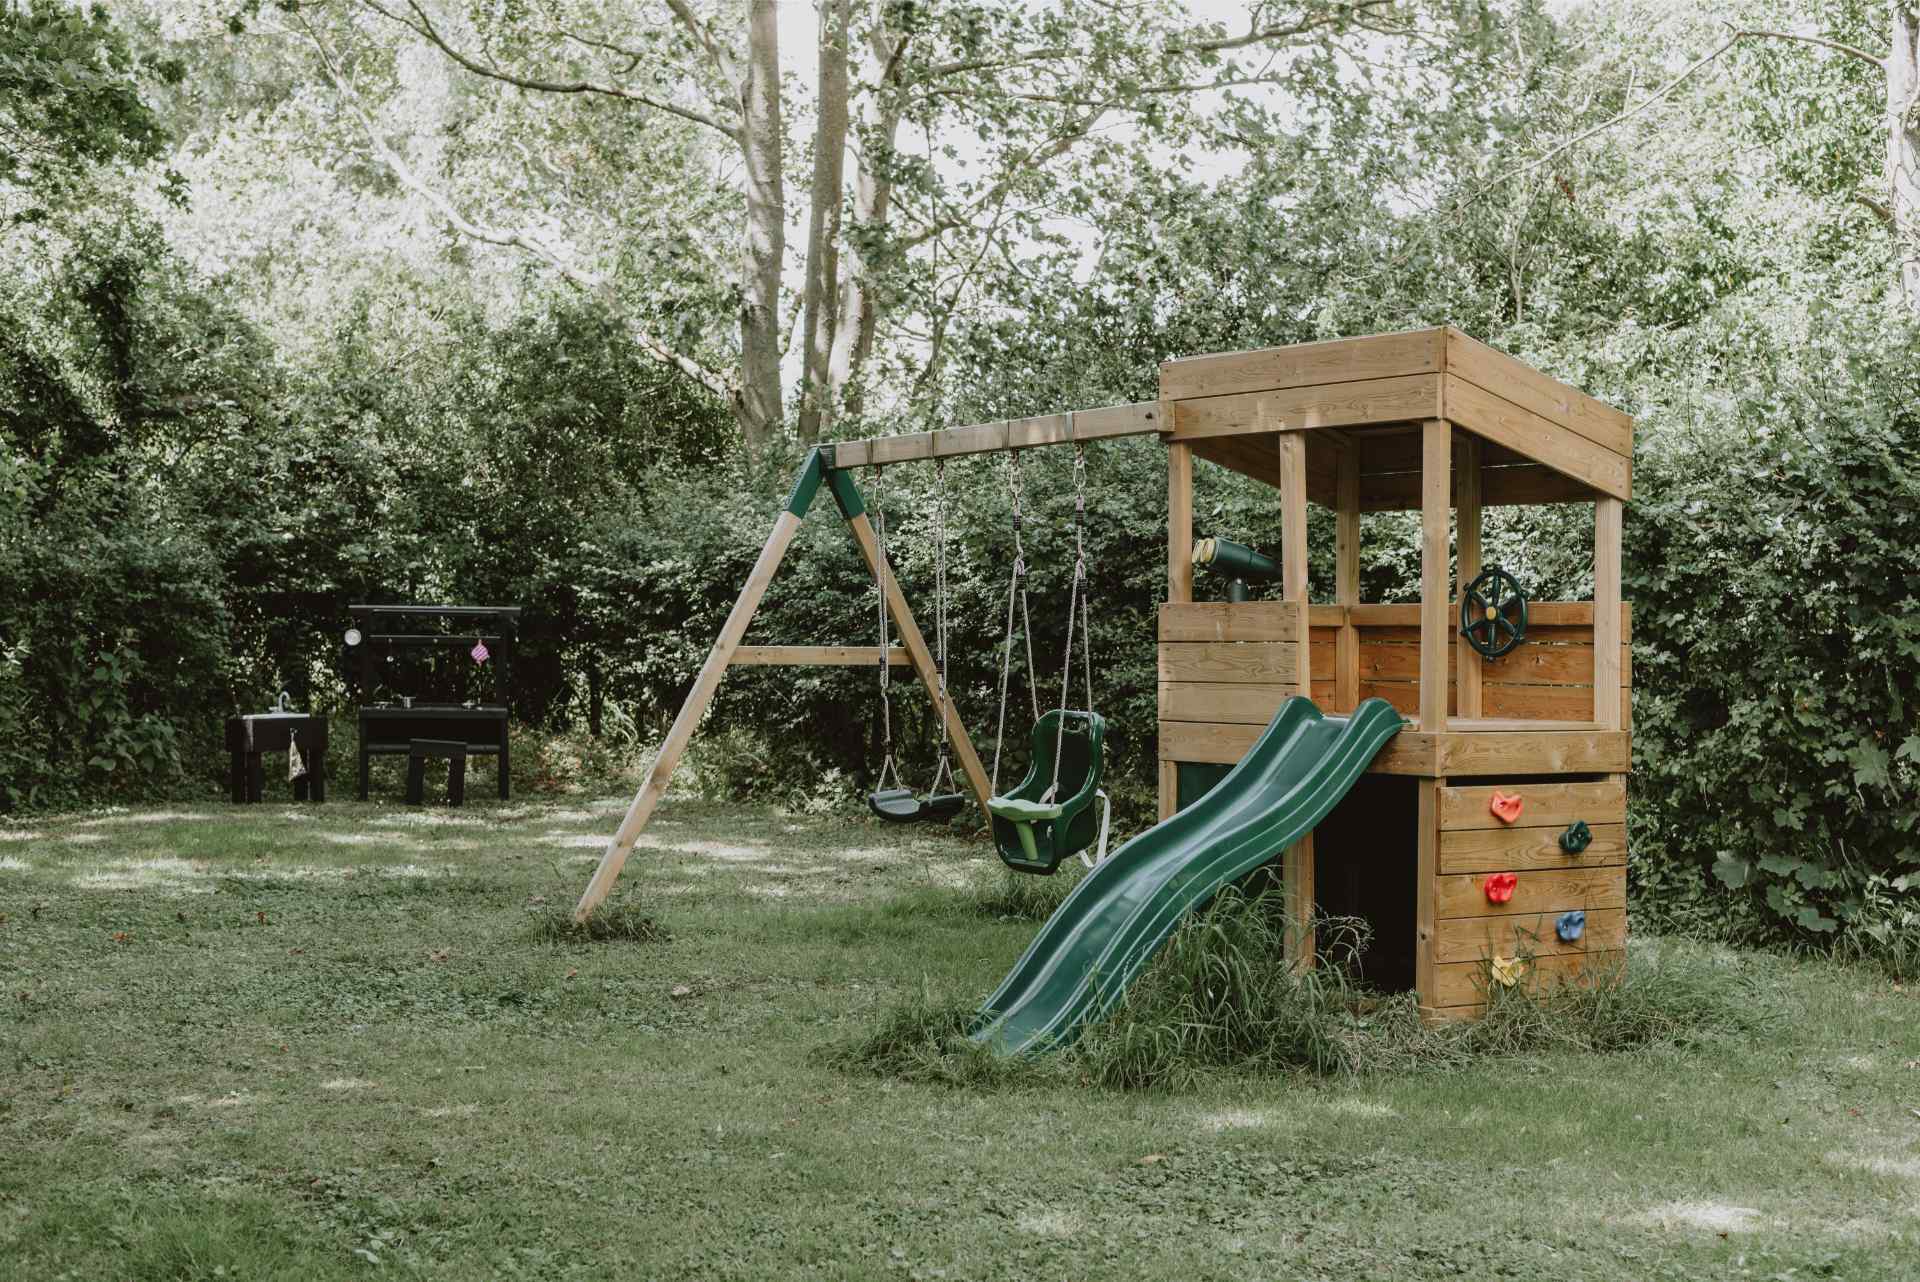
<point>1102,936</point>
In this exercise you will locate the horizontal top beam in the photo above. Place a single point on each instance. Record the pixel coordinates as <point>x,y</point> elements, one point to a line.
<point>1100,424</point>
<point>437,611</point>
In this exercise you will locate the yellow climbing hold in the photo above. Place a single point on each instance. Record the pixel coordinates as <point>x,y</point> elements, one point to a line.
<point>1507,971</point>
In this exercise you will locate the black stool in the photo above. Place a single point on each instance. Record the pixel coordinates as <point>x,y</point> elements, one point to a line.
<point>455,752</point>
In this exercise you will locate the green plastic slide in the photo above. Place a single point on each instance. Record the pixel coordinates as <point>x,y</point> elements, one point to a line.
<point>1102,936</point>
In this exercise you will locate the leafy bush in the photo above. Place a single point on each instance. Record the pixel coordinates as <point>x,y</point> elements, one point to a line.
<point>1777,638</point>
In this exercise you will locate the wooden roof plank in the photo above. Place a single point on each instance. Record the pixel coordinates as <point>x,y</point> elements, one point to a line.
<point>1341,360</point>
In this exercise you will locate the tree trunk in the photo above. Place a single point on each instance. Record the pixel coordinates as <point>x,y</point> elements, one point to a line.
<point>872,206</point>
<point>1903,146</point>
<point>757,405</point>
<point>821,312</point>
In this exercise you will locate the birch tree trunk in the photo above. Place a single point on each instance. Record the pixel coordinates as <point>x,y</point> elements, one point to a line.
<point>757,403</point>
<point>872,207</point>
<point>1903,145</point>
<point>820,315</point>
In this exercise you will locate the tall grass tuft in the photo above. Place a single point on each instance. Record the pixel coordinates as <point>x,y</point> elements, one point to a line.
<point>924,1039</point>
<point>1006,895</point>
<point>1221,994</point>
<point>617,920</point>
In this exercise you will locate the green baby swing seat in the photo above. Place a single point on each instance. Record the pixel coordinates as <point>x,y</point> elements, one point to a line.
<point>1034,832</point>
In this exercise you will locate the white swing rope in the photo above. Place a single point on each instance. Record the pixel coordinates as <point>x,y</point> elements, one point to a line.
<point>1077,606</point>
<point>1016,591</point>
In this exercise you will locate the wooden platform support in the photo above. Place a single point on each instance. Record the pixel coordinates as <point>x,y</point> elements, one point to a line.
<point>1436,638</point>
<point>1297,863</point>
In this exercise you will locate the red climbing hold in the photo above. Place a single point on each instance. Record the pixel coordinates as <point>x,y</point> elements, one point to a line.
<point>1500,886</point>
<point>1505,806</point>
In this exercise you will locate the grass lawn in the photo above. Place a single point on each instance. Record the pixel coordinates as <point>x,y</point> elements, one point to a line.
<point>277,1042</point>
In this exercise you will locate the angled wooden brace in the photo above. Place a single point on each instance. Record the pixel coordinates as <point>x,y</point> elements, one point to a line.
<point>818,470</point>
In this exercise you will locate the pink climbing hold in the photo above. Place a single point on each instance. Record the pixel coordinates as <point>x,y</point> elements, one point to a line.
<point>1505,806</point>
<point>480,652</point>
<point>1499,887</point>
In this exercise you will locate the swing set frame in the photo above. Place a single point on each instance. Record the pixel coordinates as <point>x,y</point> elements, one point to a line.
<point>830,467</point>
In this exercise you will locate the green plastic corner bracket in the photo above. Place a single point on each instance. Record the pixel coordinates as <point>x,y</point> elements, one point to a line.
<point>807,484</point>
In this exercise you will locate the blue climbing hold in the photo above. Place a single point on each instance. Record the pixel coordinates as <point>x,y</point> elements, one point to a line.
<point>1570,926</point>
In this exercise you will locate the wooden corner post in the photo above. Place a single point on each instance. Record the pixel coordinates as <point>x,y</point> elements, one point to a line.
<point>1346,579</point>
<point>1608,518</point>
<point>1436,637</point>
<point>1466,659</point>
<point>1297,863</point>
<point>1179,580</point>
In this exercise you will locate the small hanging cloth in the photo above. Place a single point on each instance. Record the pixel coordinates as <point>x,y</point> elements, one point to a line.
<point>296,761</point>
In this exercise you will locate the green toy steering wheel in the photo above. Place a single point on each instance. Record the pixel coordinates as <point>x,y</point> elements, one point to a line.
<point>1493,613</point>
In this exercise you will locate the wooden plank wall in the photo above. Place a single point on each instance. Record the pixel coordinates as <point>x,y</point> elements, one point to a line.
<point>1226,666</point>
<point>1472,845</point>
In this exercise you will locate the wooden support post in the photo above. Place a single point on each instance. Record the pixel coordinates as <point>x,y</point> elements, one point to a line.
<point>688,719</point>
<point>1179,523</point>
<point>922,659</point>
<point>1608,514</point>
<point>1179,573</point>
<point>1297,863</point>
<point>1467,660</point>
<point>1425,888</point>
<point>1346,580</point>
<point>1436,637</point>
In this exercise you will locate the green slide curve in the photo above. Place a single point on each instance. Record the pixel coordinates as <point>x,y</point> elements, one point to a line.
<point>1103,934</point>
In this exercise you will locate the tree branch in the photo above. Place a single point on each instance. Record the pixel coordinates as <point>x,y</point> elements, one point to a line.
<point>1822,41</point>
<point>1657,95</point>
<point>422,26</point>
<point>1257,34</point>
<point>503,236</point>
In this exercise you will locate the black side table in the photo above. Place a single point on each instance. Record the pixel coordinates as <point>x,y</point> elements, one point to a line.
<point>249,737</point>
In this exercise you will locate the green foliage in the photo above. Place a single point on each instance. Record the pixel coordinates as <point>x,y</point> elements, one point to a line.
<point>71,98</point>
<point>1777,713</point>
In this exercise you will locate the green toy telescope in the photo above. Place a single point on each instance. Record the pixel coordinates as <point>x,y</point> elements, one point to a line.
<point>1237,563</point>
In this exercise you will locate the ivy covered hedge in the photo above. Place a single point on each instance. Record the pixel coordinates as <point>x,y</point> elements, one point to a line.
<point>1773,559</point>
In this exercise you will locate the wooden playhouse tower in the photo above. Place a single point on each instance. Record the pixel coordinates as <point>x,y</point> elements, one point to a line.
<point>1432,421</point>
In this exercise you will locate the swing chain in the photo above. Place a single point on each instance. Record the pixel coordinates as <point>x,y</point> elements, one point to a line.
<point>887,766</point>
<point>945,769</point>
<point>1076,608</point>
<point>1016,595</point>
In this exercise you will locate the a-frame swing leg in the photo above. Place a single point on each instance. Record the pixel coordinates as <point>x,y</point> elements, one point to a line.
<point>818,471</point>
<point>688,720</point>
<point>922,660</point>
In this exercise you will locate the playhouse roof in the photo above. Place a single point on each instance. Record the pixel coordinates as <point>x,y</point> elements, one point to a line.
<point>1542,441</point>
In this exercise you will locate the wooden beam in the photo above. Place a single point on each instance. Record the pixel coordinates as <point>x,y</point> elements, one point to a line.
<point>1105,423</point>
<point>1530,389</point>
<point>1180,523</point>
<point>1425,907</point>
<point>1293,535</point>
<point>748,656</point>
<point>1346,581</point>
<point>687,720</point>
<point>1466,491</point>
<point>922,659</point>
<point>1435,636</point>
<point>1380,400</point>
<point>1607,520</point>
<point>1540,439</point>
<point>1340,360</point>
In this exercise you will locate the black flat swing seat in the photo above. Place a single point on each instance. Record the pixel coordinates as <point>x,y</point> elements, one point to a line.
<point>1034,833</point>
<point>905,806</point>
